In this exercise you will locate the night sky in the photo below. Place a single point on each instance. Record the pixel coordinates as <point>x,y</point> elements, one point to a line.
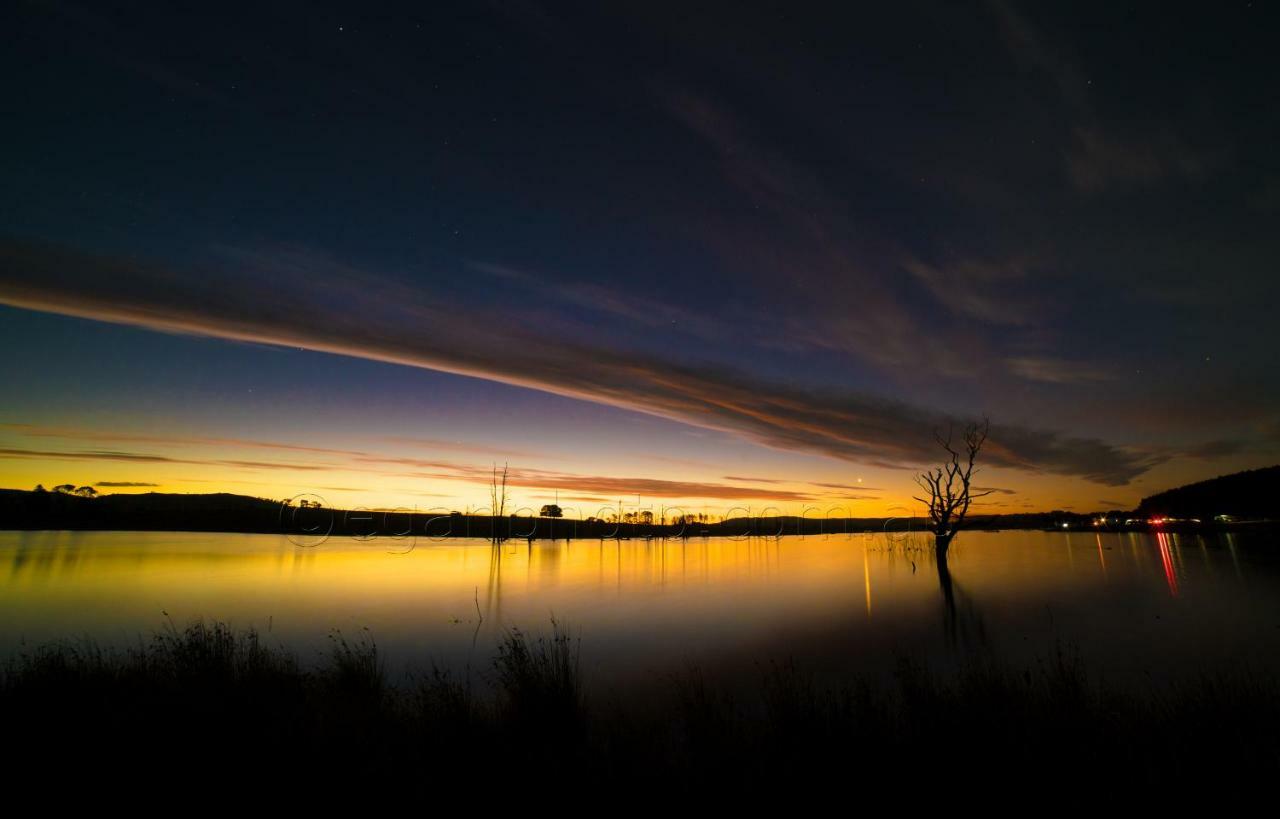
<point>736,255</point>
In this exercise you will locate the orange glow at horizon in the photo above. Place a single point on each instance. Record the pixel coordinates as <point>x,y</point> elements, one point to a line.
<point>385,473</point>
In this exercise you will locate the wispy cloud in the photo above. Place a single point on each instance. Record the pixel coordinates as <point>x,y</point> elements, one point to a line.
<point>630,487</point>
<point>141,457</point>
<point>1100,154</point>
<point>606,485</point>
<point>597,298</point>
<point>1098,160</point>
<point>441,445</point>
<point>347,311</point>
<point>857,488</point>
<point>116,436</point>
<point>1056,370</point>
<point>977,288</point>
<point>124,484</point>
<point>101,436</point>
<point>808,237</point>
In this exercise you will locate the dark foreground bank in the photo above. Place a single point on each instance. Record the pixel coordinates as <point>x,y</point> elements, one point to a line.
<point>205,698</point>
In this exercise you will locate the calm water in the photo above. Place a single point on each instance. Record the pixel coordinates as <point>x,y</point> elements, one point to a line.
<point>1133,604</point>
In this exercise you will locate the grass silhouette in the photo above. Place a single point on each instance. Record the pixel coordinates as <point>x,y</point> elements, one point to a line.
<point>207,695</point>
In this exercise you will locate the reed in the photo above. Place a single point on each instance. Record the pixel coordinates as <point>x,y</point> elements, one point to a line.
<point>206,693</point>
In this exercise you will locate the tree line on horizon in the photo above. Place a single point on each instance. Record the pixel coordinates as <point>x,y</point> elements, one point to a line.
<point>68,489</point>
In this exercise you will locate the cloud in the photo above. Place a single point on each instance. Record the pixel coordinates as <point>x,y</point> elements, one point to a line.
<point>1029,48</point>
<point>294,298</point>
<point>462,446</point>
<point>140,457</point>
<point>123,484</point>
<point>102,436</point>
<point>606,485</point>
<point>1219,448</point>
<point>1264,438</point>
<point>625,487</point>
<point>640,309</point>
<point>857,488</point>
<point>1098,160</point>
<point>77,433</point>
<point>1100,157</point>
<point>1056,370</point>
<point>805,234</point>
<point>976,288</point>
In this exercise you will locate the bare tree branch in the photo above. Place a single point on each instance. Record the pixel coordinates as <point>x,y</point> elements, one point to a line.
<point>950,486</point>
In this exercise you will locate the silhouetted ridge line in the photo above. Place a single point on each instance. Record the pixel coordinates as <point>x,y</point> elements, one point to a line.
<point>1253,494</point>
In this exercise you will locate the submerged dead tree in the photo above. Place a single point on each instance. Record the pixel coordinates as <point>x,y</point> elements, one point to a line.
<point>498,500</point>
<point>949,488</point>
<point>949,491</point>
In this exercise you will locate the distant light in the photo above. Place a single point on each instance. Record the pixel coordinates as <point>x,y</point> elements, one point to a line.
<point>1066,525</point>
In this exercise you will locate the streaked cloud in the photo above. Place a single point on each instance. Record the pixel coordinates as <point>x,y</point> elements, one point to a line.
<point>1056,370</point>
<point>295,298</point>
<point>139,457</point>
<point>441,445</point>
<point>856,488</point>
<point>606,485</point>
<point>976,288</point>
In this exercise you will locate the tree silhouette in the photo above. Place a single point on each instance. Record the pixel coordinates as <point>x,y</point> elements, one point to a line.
<point>551,511</point>
<point>498,500</point>
<point>949,487</point>
<point>86,492</point>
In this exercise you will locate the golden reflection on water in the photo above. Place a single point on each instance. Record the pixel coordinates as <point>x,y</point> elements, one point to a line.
<point>634,602</point>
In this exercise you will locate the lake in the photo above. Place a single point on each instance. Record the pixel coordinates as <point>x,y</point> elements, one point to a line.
<point>1133,605</point>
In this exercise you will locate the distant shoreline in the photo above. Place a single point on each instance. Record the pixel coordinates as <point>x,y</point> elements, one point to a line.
<point>239,514</point>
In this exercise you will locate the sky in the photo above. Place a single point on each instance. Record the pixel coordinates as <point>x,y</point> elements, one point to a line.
<point>737,256</point>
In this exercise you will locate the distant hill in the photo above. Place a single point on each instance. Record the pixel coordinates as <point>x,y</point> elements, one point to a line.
<point>1254,494</point>
<point>220,512</point>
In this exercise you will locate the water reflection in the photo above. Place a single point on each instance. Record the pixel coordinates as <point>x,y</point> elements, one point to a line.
<point>1134,601</point>
<point>1166,561</point>
<point>961,618</point>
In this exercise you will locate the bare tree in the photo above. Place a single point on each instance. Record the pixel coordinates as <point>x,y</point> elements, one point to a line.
<point>498,497</point>
<point>949,487</point>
